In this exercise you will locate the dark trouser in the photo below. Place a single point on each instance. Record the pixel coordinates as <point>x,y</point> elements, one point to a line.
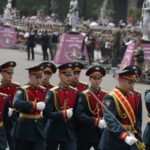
<point>27,145</point>
<point>85,145</point>
<point>30,49</point>
<point>68,145</point>
<point>11,141</point>
<point>45,53</point>
<point>147,147</point>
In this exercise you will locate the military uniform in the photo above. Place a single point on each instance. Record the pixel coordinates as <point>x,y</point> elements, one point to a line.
<point>123,107</point>
<point>4,104</point>
<point>29,130</point>
<point>89,112</point>
<point>60,129</point>
<point>8,87</point>
<point>80,86</point>
<point>146,135</point>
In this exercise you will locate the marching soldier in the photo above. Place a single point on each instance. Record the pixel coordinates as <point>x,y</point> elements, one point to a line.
<point>8,87</point>
<point>89,112</point>
<point>120,116</point>
<point>146,135</point>
<point>29,101</point>
<point>80,86</point>
<point>138,102</point>
<point>4,104</point>
<point>48,69</point>
<point>60,105</point>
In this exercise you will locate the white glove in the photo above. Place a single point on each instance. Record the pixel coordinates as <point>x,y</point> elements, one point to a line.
<point>130,140</point>
<point>102,124</point>
<point>40,106</point>
<point>10,112</point>
<point>69,113</point>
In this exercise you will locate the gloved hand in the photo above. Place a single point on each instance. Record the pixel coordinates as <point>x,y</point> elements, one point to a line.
<point>69,113</point>
<point>130,139</point>
<point>10,112</point>
<point>40,106</point>
<point>102,124</point>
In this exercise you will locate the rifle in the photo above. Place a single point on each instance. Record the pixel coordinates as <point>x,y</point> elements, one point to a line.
<point>139,144</point>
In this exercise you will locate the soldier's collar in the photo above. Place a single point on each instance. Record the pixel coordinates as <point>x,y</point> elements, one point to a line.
<point>75,84</point>
<point>5,82</point>
<point>63,87</point>
<point>95,90</point>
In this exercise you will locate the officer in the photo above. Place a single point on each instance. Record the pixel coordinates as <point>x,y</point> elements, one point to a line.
<point>146,135</point>
<point>89,112</point>
<point>8,87</point>
<point>4,104</point>
<point>60,105</point>
<point>48,69</point>
<point>138,102</point>
<point>29,101</point>
<point>120,115</point>
<point>80,86</point>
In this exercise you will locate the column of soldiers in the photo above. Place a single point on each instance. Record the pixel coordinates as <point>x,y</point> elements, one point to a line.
<point>71,115</point>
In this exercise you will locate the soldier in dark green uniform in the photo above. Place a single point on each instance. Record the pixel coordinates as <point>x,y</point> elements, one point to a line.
<point>121,105</point>
<point>29,101</point>
<point>89,112</point>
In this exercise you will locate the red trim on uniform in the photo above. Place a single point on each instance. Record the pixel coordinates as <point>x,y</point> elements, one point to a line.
<point>64,114</point>
<point>123,135</point>
<point>96,121</point>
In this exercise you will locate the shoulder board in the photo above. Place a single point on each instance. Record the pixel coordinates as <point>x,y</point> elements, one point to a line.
<point>25,86</point>
<point>54,88</point>
<point>104,91</point>
<point>2,94</point>
<point>52,85</point>
<point>85,91</point>
<point>84,83</point>
<point>16,83</point>
<point>73,88</point>
<point>137,92</point>
<point>42,87</point>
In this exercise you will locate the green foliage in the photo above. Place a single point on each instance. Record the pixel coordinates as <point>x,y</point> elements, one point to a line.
<point>135,13</point>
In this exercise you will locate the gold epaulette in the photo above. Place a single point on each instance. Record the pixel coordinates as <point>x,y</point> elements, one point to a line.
<point>54,88</point>
<point>2,94</point>
<point>104,91</point>
<point>85,91</point>
<point>84,83</point>
<point>16,83</point>
<point>42,87</point>
<point>73,88</point>
<point>25,86</point>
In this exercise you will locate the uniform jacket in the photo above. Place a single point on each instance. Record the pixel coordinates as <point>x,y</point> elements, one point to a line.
<point>29,129</point>
<point>81,86</point>
<point>58,99</point>
<point>111,137</point>
<point>87,110</point>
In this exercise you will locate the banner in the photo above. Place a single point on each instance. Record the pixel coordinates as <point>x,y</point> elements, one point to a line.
<point>146,48</point>
<point>7,37</point>
<point>128,56</point>
<point>71,48</point>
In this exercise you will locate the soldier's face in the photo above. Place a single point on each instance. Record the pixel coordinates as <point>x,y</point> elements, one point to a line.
<point>34,80</point>
<point>7,76</point>
<point>95,81</point>
<point>126,85</point>
<point>65,78</point>
<point>75,76</point>
<point>46,77</point>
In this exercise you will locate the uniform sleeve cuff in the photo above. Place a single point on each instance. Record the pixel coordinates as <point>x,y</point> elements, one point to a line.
<point>64,114</point>
<point>33,105</point>
<point>123,135</point>
<point>96,121</point>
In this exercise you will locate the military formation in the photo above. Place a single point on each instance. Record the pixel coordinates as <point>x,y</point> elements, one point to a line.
<point>71,115</point>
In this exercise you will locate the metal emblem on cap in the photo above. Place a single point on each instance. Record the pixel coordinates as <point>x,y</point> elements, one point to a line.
<point>97,68</point>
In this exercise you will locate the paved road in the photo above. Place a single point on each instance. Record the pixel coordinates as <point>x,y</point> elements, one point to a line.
<point>21,75</point>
